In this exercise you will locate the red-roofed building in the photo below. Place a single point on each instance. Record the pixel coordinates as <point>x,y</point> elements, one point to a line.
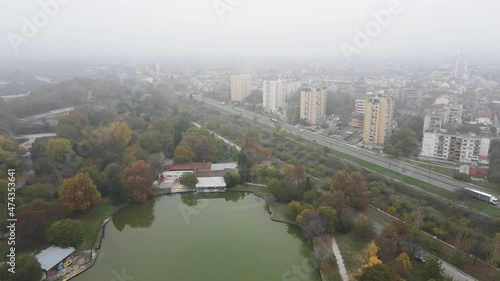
<point>201,166</point>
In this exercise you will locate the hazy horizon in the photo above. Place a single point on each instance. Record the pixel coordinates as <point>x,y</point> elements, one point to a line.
<point>115,30</point>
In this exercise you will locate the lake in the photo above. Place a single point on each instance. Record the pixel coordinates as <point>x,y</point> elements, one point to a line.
<point>193,237</point>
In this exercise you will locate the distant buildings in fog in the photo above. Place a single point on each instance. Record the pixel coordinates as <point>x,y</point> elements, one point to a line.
<point>275,93</point>
<point>460,69</point>
<point>241,86</point>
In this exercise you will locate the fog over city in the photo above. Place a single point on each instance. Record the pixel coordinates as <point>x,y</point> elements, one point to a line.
<point>117,29</point>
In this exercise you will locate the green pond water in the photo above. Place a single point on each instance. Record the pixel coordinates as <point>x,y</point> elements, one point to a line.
<point>191,237</point>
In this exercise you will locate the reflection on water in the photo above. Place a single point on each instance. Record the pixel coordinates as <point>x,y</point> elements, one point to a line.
<point>135,216</point>
<point>229,236</point>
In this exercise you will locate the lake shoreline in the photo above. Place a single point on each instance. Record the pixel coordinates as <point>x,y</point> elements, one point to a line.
<point>273,215</point>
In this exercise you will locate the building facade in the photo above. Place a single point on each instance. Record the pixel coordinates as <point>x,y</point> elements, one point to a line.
<point>377,120</point>
<point>460,69</point>
<point>359,106</point>
<point>412,98</point>
<point>241,86</point>
<point>466,149</point>
<point>438,115</point>
<point>273,95</point>
<point>313,105</point>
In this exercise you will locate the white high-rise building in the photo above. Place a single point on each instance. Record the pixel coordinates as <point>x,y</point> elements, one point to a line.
<point>273,95</point>
<point>460,69</point>
<point>241,86</point>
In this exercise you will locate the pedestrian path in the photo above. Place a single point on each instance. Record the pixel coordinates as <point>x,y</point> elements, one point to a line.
<point>340,261</point>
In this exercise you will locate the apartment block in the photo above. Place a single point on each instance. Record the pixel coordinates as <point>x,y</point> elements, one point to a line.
<point>313,105</point>
<point>412,98</point>
<point>457,148</point>
<point>241,86</point>
<point>377,119</point>
<point>439,115</point>
<point>359,106</point>
<point>273,95</point>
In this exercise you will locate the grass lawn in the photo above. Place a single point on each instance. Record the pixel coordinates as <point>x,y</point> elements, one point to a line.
<point>257,190</point>
<point>92,220</point>
<point>352,252</point>
<point>323,248</point>
<point>435,168</point>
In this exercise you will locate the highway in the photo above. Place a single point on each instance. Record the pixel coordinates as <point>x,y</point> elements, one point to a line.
<point>387,162</point>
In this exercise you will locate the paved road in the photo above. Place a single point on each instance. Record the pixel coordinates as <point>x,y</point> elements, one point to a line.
<point>32,138</point>
<point>49,114</point>
<point>449,269</point>
<point>387,162</point>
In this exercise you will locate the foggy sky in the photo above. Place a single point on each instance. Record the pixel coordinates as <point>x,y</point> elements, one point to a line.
<point>284,28</point>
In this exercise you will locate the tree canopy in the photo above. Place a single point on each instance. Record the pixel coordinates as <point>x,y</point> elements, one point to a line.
<point>65,233</point>
<point>79,193</point>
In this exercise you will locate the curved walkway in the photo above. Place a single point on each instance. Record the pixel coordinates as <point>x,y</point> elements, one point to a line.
<point>340,261</point>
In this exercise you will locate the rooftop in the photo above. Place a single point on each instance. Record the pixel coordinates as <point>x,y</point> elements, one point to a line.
<point>210,182</point>
<point>223,166</point>
<point>191,166</point>
<point>51,256</point>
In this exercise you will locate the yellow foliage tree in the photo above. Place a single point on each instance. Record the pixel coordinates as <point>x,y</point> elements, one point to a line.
<point>372,255</point>
<point>78,193</point>
<point>119,133</point>
<point>58,150</point>
<point>404,260</point>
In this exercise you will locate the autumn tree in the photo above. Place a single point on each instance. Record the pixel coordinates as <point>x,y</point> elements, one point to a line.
<point>293,173</point>
<point>139,179</point>
<point>379,272</point>
<point>79,193</point>
<point>310,223</point>
<point>363,229</point>
<point>357,193</point>
<point>189,180</point>
<point>71,125</point>
<point>117,134</point>
<point>352,187</point>
<point>396,232</point>
<point>183,153</point>
<point>372,255</point>
<point>463,233</point>
<point>59,150</point>
<point>251,146</point>
<point>404,263</point>
<point>65,233</point>
<point>294,209</point>
<point>9,153</point>
<point>32,225</point>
